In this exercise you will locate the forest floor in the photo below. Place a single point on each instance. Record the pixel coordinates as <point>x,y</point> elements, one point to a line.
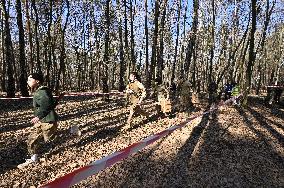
<point>236,147</point>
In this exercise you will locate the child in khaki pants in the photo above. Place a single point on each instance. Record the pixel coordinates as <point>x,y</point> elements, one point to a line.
<point>45,117</point>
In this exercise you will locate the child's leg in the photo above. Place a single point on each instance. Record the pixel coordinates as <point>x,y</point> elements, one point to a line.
<point>34,140</point>
<point>139,110</point>
<point>49,130</point>
<point>131,113</point>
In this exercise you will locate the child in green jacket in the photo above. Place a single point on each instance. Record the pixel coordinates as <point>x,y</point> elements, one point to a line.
<point>45,117</point>
<point>235,93</point>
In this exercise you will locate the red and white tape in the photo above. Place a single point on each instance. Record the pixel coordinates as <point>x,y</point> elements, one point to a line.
<point>93,168</point>
<point>71,94</point>
<point>275,86</point>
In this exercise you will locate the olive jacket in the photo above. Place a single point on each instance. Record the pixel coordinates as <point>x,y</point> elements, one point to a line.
<point>44,104</point>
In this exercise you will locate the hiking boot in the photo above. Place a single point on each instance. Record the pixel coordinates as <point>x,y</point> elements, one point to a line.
<point>33,159</point>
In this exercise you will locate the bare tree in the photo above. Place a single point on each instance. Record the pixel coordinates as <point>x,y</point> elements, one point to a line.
<point>251,52</point>
<point>155,40</point>
<point>121,52</point>
<point>176,44</point>
<point>10,59</point>
<point>37,37</point>
<point>22,58</point>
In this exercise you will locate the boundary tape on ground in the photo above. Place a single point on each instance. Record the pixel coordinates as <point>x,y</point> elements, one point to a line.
<point>82,173</point>
<point>70,94</point>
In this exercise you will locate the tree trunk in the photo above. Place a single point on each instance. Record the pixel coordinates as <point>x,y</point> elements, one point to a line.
<point>155,41</point>
<point>147,46</point>
<point>121,55</point>
<point>192,41</point>
<point>261,43</point>
<point>106,52</point>
<point>160,64</point>
<point>212,86</point>
<point>176,45</point>
<point>37,38</point>
<point>133,58</point>
<point>251,53</point>
<point>29,31</point>
<point>126,38</point>
<point>49,43</point>
<point>3,85</point>
<point>10,59</point>
<point>62,52</point>
<point>22,57</point>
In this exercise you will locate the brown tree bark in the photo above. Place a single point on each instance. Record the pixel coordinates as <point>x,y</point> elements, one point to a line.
<point>155,40</point>
<point>49,43</point>
<point>252,54</point>
<point>22,57</point>
<point>176,44</point>
<point>9,58</point>
<point>121,53</point>
<point>3,73</point>
<point>160,62</point>
<point>106,51</point>
<point>147,46</point>
<point>30,37</point>
<point>62,51</point>
<point>192,42</point>
<point>37,37</point>
<point>132,43</point>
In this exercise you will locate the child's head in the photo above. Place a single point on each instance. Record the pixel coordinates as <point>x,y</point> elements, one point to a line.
<point>134,76</point>
<point>34,80</point>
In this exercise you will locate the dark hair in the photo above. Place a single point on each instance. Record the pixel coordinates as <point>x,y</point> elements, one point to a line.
<point>137,77</point>
<point>158,81</point>
<point>37,76</point>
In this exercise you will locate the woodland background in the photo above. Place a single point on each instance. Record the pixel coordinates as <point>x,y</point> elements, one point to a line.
<point>86,45</point>
<point>94,45</point>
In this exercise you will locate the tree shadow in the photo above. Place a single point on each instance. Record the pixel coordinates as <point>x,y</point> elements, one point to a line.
<point>92,109</point>
<point>212,156</point>
<point>261,136</point>
<point>178,170</point>
<point>263,122</point>
<point>14,125</point>
<point>11,155</point>
<point>138,167</point>
<point>141,169</point>
<point>104,132</point>
<point>10,105</point>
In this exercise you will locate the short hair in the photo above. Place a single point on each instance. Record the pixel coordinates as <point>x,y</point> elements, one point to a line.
<point>37,76</point>
<point>136,75</point>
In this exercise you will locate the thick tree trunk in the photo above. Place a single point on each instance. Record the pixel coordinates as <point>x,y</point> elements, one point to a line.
<point>155,41</point>
<point>37,37</point>
<point>22,57</point>
<point>147,46</point>
<point>133,58</point>
<point>9,58</point>
<point>192,42</point>
<point>62,52</point>
<point>49,44</point>
<point>106,51</point>
<point>251,53</point>
<point>30,36</point>
<point>3,75</point>
<point>121,54</point>
<point>126,49</point>
<point>176,44</point>
<point>160,63</point>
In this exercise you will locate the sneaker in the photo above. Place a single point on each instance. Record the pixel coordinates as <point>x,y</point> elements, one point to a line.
<point>74,130</point>
<point>33,159</point>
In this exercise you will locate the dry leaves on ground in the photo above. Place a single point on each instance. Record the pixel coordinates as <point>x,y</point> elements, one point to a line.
<point>235,147</point>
